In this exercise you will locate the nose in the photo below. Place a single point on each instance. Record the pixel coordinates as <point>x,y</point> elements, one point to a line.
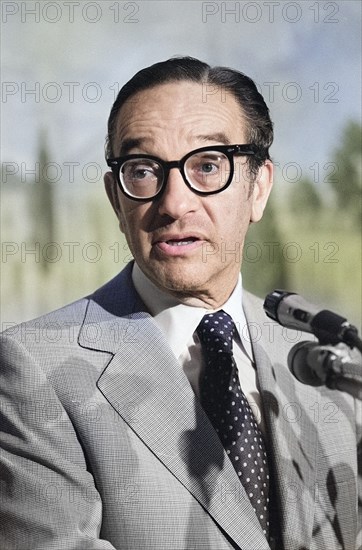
<point>177,199</point>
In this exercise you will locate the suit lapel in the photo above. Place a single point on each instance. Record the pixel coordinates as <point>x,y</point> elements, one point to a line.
<point>292,437</point>
<point>164,412</point>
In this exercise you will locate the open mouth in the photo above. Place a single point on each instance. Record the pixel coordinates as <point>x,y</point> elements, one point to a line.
<point>181,242</point>
<point>177,245</point>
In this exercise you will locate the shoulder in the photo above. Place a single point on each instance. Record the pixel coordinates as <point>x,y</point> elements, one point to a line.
<point>252,303</point>
<point>46,325</point>
<point>255,314</point>
<point>62,326</point>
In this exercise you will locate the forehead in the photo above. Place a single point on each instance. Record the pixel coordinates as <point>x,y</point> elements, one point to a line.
<point>179,112</point>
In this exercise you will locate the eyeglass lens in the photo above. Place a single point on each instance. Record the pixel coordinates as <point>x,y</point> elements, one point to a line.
<point>205,171</point>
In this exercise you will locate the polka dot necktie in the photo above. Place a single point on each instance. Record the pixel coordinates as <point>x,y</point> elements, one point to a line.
<point>230,413</point>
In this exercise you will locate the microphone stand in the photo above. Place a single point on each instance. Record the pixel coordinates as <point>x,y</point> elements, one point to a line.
<point>329,362</point>
<point>341,372</point>
<point>332,366</point>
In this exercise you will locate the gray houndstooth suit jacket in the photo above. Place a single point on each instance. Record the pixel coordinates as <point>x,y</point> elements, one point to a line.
<point>103,444</point>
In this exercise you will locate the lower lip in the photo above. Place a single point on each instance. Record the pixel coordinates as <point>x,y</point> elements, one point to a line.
<point>177,250</point>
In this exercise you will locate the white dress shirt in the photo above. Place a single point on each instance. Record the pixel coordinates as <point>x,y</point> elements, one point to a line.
<point>178,322</point>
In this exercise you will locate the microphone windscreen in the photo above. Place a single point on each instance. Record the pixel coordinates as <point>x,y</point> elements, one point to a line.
<point>299,366</point>
<point>327,326</point>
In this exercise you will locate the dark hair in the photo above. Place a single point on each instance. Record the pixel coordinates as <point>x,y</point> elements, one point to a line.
<point>256,113</point>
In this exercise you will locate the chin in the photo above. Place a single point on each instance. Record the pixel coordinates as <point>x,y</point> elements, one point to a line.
<point>182,279</point>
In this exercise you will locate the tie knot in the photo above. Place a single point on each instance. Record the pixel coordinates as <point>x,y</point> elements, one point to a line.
<point>216,332</point>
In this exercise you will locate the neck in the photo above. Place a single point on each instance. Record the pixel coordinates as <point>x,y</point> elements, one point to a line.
<point>211,297</point>
<point>205,300</point>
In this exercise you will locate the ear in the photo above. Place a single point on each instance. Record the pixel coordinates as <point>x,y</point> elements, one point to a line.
<point>112,194</point>
<point>261,191</point>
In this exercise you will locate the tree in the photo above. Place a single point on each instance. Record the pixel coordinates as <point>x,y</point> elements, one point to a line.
<point>304,200</point>
<point>42,203</point>
<point>346,183</point>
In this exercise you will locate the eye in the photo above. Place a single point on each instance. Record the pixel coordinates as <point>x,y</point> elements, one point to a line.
<point>205,167</point>
<point>208,167</point>
<point>138,170</point>
<point>141,173</point>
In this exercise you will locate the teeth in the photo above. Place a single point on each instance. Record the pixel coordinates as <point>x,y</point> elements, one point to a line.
<point>179,243</point>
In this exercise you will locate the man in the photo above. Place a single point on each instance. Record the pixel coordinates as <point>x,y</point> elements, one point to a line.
<point>125,423</point>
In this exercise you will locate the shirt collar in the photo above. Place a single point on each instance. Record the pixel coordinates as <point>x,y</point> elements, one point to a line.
<point>179,321</point>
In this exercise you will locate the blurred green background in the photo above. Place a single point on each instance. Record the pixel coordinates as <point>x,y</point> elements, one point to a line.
<point>60,238</point>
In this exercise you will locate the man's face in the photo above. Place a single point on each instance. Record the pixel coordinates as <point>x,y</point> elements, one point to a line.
<point>168,121</point>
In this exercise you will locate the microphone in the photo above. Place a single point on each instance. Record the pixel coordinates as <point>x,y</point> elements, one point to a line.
<point>292,311</point>
<point>299,365</point>
<point>329,366</point>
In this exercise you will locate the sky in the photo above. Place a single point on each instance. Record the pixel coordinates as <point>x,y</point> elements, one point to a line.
<point>63,63</point>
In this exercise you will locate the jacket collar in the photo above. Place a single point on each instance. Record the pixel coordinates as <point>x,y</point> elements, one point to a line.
<point>112,315</point>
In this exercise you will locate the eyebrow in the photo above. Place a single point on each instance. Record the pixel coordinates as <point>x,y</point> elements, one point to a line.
<point>218,137</point>
<point>130,143</point>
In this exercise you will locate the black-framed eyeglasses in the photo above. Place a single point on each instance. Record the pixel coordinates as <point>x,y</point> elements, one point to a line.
<point>206,171</point>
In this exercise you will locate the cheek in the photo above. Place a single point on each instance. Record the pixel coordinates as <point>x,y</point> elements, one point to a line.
<point>134,221</point>
<point>234,218</point>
